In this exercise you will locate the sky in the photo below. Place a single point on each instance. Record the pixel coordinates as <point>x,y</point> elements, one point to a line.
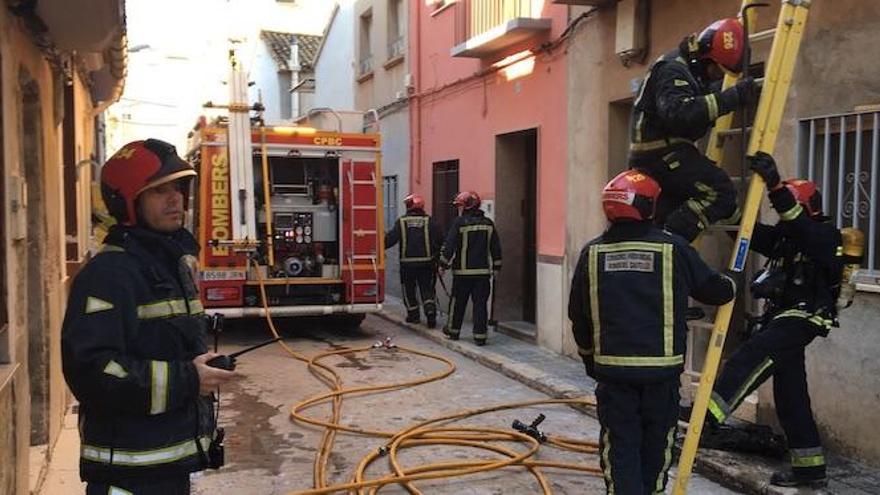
<point>178,58</point>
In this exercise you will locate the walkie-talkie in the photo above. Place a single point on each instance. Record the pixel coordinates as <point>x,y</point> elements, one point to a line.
<point>228,362</point>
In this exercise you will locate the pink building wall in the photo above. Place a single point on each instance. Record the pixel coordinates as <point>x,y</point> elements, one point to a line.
<point>457,114</point>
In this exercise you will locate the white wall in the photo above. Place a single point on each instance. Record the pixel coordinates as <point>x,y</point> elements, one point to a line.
<point>334,70</point>
<point>264,74</point>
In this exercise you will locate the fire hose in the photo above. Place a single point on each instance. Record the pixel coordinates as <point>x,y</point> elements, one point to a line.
<point>431,432</point>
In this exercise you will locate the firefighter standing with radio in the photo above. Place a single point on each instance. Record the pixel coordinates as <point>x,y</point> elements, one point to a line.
<point>132,342</point>
<point>473,250</point>
<point>628,304</point>
<point>801,284</point>
<point>420,239</point>
<point>674,108</point>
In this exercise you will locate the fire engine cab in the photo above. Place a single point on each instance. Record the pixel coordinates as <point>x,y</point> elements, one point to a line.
<point>292,211</point>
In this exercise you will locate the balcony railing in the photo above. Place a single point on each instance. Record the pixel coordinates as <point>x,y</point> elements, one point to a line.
<point>365,65</point>
<point>396,47</point>
<point>483,27</point>
<point>475,17</point>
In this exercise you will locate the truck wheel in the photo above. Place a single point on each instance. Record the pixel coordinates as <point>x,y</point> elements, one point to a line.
<point>350,322</point>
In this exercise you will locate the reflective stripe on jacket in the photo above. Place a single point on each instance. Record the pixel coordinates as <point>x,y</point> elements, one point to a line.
<point>134,323</point>
<point>472,246</point>
<point>418,235</point>
<point>629,296</point>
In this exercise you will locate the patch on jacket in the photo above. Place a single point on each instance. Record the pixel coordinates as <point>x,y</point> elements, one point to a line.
<point>629,261</point>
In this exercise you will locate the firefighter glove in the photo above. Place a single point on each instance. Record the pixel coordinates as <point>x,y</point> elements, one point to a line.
<point>746,90</point>
<point>764,165</point>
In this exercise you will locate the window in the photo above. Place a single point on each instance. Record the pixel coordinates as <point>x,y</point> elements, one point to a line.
<point>389,192</point>
<point>445,187</point>
<point>365,53</point>
<point>396,22</point>
<point>285,80</point>
<point>841,153</point>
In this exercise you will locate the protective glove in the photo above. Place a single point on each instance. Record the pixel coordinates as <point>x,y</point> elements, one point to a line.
<point>746,90</point>
<point>765,166</point>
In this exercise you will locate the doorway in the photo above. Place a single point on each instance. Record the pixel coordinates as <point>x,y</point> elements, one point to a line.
<point>516,193</point>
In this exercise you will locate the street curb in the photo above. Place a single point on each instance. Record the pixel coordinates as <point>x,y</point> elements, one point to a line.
<point>734,471</point>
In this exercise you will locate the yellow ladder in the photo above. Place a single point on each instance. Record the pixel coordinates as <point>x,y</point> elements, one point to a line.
<point>777,80</point>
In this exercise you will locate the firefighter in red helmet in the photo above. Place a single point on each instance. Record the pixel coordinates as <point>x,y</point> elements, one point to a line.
<point>628,304</point>
<point>675,106</point>
<point>132,340</point>
<point>420,239</point>
<point>473,250</point>
<point>800,285</point>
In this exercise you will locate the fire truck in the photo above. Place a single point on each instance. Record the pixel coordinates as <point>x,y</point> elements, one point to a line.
<point>292,212</point>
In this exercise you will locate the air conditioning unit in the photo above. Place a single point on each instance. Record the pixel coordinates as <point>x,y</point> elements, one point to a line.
<point>630,42</point>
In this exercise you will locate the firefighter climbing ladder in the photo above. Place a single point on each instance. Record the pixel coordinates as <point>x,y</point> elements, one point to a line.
<point>777,80</point>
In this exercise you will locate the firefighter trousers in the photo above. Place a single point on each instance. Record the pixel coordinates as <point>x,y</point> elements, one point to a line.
<point>419,277</point>
<point>778,351</point>
<point>695,191</point>
<point>477,289</point>
<point>637,433</point>
<point>172,485</point>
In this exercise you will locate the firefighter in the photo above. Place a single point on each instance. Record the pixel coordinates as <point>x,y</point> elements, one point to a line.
<point>420,239</point>
<point>800,285</point>
<point>628,304</point>
<point>674,108</point>
<point>473,251</point>
<point>132,339</point>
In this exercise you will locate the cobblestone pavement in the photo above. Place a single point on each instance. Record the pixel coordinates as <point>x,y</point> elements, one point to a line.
<point>269,454</point>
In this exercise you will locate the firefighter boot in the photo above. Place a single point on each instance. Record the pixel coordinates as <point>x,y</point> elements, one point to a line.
<point>432,321</point>
<point>790,478</point>
<point>450,334</point>
<point>480,342</point>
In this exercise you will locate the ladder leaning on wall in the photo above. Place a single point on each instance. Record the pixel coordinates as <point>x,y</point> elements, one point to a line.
<point>777,80</point>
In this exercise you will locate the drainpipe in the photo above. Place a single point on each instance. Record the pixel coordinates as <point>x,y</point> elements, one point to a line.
<point>415,143</point>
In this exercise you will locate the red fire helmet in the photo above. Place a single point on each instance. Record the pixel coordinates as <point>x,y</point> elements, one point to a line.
<point>467,200</point>
<point>631,195</point>
<point>414,201</point>
<point>138,166</point>
<point>722,42</point>
<point>807,194</point>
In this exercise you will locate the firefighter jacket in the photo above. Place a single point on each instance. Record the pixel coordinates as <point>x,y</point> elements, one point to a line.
<point>673,109</point>
<point>629,296</point>
<point>133,325</point>
<point>472,246</point>
<point>805,264</point>
<point>419,238</point>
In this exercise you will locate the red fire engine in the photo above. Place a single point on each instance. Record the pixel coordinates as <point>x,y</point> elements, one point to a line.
<point>296,211</point>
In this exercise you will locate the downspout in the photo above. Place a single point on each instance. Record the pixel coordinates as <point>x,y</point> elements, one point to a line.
<point>415,143</point>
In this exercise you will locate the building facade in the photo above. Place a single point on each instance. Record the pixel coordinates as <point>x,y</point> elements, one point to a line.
<point>58,74</point>
<point>381,73</point>
<point>488,114</point>
<point>829,134</point>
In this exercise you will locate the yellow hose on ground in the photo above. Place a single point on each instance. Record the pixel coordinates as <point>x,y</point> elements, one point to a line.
<point>425,433</point>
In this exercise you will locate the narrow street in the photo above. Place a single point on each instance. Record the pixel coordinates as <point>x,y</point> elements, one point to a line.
<point>267,453</point>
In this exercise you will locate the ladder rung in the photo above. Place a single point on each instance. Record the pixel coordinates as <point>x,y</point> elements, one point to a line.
<point>732,132</point>
<point>363,257</point>
<point>723,228</point>
<point>762,35</point>
<point>363,183</point>
<point>364,207</point>
<point>361,233</point>
<point>371,281</point>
